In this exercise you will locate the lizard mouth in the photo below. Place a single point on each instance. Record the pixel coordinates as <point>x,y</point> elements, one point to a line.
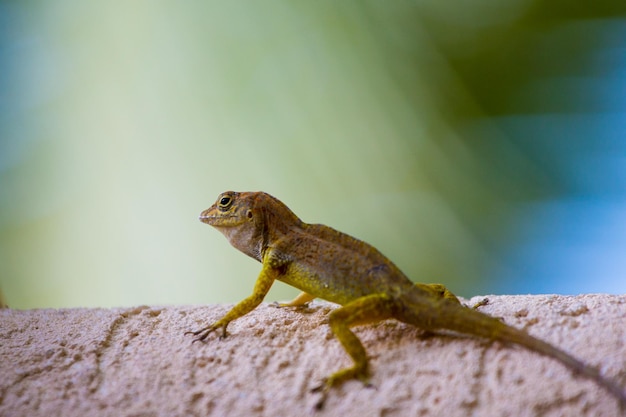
<point>206,219</point>
<point>219,221</point>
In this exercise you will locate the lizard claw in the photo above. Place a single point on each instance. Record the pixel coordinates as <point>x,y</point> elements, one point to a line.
<point>205,332</point>
<point>327,383</point>
<point>320,404</point>
<point>322,388</point>
<point>224,333</point>
<point>369,385</point>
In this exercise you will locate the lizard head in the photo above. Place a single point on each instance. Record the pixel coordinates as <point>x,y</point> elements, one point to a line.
<point>249,220</point>
<point>231,210</point>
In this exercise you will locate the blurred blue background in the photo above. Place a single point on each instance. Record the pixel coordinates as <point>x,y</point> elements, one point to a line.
<point>481,145</point>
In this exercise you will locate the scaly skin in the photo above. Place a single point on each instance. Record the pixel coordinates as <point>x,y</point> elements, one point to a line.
<point>328,264</point>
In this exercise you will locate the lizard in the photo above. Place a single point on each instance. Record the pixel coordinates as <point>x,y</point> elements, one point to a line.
<point>325,263</point>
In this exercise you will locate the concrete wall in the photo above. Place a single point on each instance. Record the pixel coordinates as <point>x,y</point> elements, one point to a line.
<point>137,362</point>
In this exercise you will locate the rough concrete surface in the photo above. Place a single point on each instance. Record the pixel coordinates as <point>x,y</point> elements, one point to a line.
<point>137,362</point>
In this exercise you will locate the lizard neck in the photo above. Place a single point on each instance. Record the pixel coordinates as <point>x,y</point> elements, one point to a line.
<point>275,221</point>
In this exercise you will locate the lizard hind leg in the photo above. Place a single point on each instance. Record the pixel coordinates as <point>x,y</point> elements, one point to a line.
<point>368,309</point>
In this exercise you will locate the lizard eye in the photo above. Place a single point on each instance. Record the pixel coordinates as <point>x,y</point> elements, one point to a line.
<point>225,202</point>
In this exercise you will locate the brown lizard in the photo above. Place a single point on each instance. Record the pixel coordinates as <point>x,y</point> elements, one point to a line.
<point>331,265</point>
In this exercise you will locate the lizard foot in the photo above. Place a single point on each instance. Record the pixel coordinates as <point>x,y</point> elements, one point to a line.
<point>481,303</point>
<point>284,305</point>
<point>337,378</point>
<point>206,331</point>
<point>484,302</point>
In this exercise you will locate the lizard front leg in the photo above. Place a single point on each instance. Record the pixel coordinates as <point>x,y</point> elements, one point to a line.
<point>261,287</point>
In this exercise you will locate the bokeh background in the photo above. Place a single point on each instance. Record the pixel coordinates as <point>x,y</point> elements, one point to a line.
<point>481,144</point>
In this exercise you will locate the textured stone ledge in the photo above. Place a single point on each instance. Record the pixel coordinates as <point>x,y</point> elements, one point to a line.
<point>137,362</point>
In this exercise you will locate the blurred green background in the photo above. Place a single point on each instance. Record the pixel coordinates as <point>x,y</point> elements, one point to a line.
<point>481,144</point>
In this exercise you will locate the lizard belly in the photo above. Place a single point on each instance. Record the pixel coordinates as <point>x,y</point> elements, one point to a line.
<point>342,283</point>
<point>332,288</point>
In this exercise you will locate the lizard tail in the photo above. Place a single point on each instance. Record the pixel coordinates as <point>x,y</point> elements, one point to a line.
<point>468,321</point>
